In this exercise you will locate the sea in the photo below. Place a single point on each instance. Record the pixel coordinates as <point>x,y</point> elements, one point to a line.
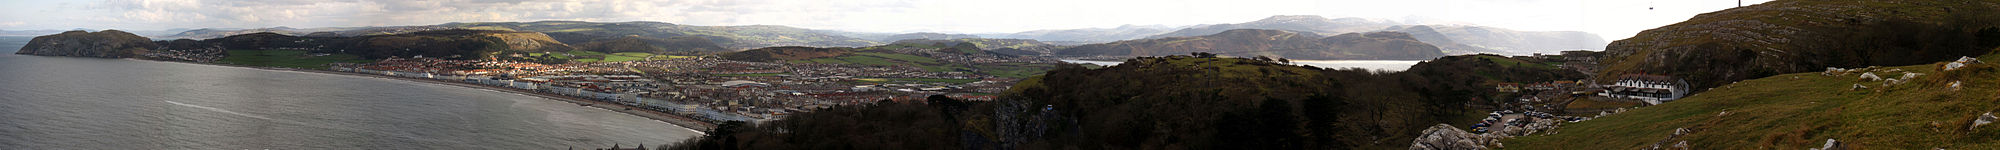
<point>97,103</point>
<point>1376,65</point>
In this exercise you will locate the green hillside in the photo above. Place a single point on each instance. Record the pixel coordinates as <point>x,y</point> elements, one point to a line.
<point>1802,110</point>
<point>1793,36</point>
<point>732,37</point>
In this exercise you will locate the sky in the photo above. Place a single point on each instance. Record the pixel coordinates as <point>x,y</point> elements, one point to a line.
<point>1612,19</point>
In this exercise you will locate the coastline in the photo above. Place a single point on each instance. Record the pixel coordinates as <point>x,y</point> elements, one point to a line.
<point>677,120</point>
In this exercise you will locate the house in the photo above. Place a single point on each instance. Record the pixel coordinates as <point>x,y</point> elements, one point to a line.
<point>1508,87</point>
<point>1653,89</point>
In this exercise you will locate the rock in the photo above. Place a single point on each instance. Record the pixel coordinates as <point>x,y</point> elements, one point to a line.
<point>106,44</point>
<point>1832,145</point>
<point>1953,66</point>
<point>1954,86</point>
<point>1681,145</point>
<point>1983,120</point>
<point>1870,76</point>
<point>1444,136</point>
<point>1833,71</point>
<point>1910,75</point>
<point>1968,60</point>
<point>1888,82</point>
<point>1858,86</point>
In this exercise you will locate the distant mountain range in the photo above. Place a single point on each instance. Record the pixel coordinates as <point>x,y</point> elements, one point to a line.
<point>668,37</point>
<point>1277,43</point>
<point>1295,23</point>
<point>1089,35</point>
<point>1454,39</point>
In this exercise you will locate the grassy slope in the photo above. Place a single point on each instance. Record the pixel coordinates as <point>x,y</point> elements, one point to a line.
<point>286,58</point>
<point>1802,110</point>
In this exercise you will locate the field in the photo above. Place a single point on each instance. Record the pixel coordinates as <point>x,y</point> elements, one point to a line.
<point>1013,70</point>
<point>750,75</point>
<point>917,80</point>
<point>286,58</point>
<point>591,56</point>
<point>1802,110</point>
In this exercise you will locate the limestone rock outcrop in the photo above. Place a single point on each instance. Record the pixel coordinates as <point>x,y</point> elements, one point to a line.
<point>106,44</point>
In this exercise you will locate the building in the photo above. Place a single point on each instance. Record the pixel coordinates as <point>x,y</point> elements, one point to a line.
<point>1508,87</point>
<point>1653,89</point>
<point>742,84</point>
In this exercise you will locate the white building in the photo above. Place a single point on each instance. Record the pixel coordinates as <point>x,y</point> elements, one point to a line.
<point>1654,89</point>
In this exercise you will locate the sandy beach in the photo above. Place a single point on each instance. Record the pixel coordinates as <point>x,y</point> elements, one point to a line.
<point>678,120</point>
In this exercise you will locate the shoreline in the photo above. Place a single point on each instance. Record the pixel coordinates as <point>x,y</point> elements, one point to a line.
<point>676,120</point>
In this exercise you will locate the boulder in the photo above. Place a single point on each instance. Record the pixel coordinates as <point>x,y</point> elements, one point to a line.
<point>1910,75</point>
<point>1955,86</point>
<point>1953,66</point>
<point>1870,76</point>
<point>1831,145</point>
<point>1984,119</point>
<point>1444,136</point>
<point>1858,86</point>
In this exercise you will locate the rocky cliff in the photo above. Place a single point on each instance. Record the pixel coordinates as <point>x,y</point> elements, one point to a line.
<point>107,44</point>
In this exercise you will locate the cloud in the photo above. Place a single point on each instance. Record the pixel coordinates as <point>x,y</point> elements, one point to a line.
<point>316,13</point>
<point>1612,18</point>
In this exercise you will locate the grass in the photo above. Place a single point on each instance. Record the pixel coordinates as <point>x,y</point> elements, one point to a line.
<point>917,80</point>
<point>751,75</point>
<point>1801,110</point>
<point>287,58</point>
<point>1510,62</point>
<point>1014,70</point>
<point>592,56</point>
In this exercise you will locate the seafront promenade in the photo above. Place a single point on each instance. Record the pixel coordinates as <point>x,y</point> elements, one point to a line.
<point>682,121</point>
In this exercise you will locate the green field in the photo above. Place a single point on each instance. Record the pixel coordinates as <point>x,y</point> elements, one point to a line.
<point>1803,110</point>
<point>751,75</point>
<point>591,56</point>
<point>286,58</point>
<point>1013,70</point>
<point>917,80</point>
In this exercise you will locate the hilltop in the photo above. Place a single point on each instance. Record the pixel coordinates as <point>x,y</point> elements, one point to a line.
<point>1467,39</point>
<point>1295,23</point>
<point>107,44</point>
<point>1791,36</point>
<point>926,36</point>
<point>1278,43</point>
<point>1453,39</point>
<point>1090,35</point>
<point>679,44</point>
<point>787,53</point>
<point>732,37</point>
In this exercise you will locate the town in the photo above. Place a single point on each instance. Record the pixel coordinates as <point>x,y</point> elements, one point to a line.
<point>705,88</point>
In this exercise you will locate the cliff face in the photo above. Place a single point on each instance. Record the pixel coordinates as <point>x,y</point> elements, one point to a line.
<point>106,44</point>
<point>1793,36</point>
<point>1258,42</point>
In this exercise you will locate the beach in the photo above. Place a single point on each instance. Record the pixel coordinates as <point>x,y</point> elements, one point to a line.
<point>678,120</point>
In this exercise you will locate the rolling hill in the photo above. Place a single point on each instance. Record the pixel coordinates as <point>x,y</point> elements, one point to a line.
<point>732,37</point>
<point>1256,42</point>
<point>1791,36</point>
<point>106,44</point>
<point>1295,23</point>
